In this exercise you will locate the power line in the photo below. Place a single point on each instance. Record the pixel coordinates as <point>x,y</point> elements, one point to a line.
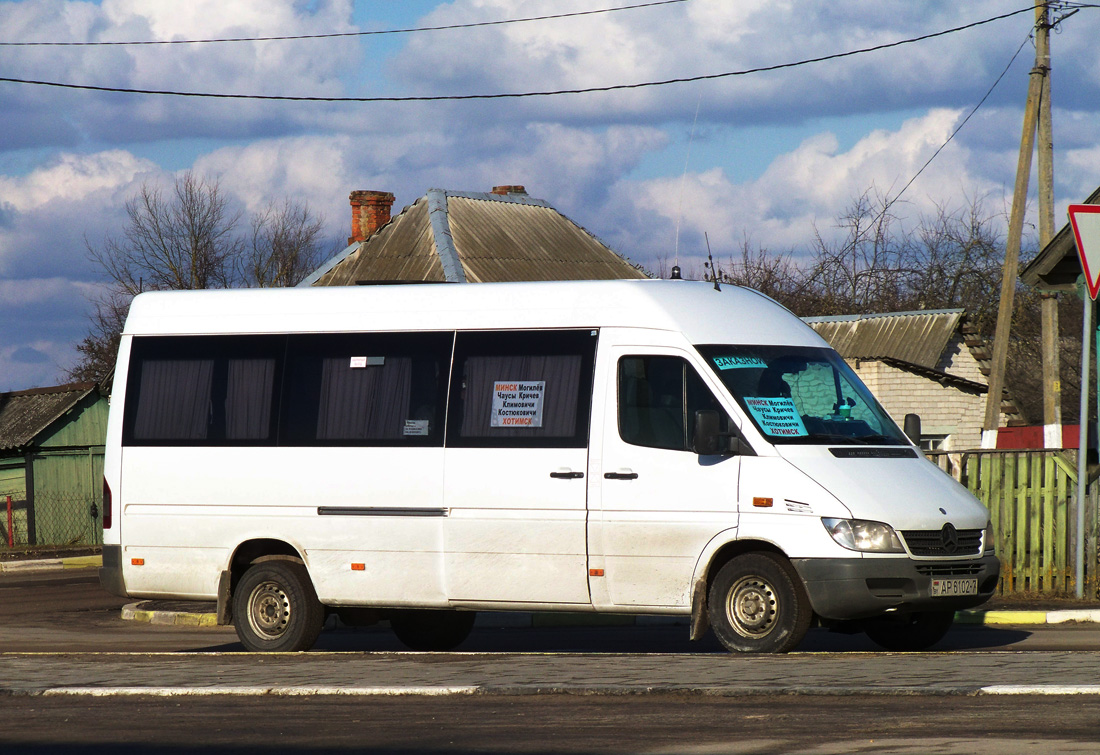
<point>344,34</point>
<point>517,95</point>
<point>960,126</point>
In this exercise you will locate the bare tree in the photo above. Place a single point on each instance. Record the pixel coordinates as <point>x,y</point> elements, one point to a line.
<point>100,346</point>
<point>184,241</point>
<point>187,238</point>
<point>286,245</point>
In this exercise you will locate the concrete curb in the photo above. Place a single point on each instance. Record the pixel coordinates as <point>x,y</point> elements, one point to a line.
<point>505,690</point>
<point>49,564</point>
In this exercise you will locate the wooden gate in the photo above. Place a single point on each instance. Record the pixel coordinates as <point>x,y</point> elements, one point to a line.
<point>1031,500</point>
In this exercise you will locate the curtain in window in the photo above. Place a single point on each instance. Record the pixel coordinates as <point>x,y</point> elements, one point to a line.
<point>561,373</point>
<point>174,399</point>
<point>367,403</point>
<point>249,384</point>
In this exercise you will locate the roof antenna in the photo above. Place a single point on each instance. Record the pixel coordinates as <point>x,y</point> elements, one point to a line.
<point>710,264</point>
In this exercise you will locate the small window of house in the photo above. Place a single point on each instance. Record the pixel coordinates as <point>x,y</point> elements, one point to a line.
<point>209,390</point>
<point>366,389</point>
<point>527,389</point>
<point>658,398</point>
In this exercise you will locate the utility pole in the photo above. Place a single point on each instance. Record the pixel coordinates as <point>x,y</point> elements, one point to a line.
<point>1015,230</point>
<point>1052,380</point>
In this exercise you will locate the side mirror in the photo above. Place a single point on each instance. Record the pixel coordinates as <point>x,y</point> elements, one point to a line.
<point>707,439</point>
<point>912,428</point>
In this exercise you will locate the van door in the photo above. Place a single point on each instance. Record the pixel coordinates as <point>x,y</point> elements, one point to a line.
<point>661,504</point>
<point>516,467</point>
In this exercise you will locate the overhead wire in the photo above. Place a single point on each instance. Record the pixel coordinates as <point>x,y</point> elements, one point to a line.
<point>333,35</point>
<point>891,202</point>
<point>517,95</point>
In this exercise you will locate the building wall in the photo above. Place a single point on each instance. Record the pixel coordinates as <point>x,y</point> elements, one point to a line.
<point>959,361</point>
<point>944,410</point>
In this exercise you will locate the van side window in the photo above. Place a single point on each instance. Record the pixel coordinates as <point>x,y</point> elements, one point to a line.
<point>384,389</point>
<point>658,398</point>
<point>208,390</point>
<point>522,388</point>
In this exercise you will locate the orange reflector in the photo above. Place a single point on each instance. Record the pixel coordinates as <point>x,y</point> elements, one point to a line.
<point>762,503</point>
<point>595,572</point>
<point>358,567</point>
<point>137,561</point>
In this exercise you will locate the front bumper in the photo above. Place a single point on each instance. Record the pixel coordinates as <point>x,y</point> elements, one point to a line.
<point>859,588</point>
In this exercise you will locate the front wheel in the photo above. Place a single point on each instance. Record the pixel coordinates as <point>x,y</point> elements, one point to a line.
<point>275,609</point>
<point>756,604</point>
<point>427,630</point>
<point>910,632</point>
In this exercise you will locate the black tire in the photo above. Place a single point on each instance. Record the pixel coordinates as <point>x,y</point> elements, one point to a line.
<point>427,630</point>
<point>757,604</point>
<point>909,632</point>
<point>275,609</point>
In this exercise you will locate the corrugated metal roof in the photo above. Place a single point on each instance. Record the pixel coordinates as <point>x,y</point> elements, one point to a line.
<point>915,337</point>
<point>496,238</point>
<point>24,414</point>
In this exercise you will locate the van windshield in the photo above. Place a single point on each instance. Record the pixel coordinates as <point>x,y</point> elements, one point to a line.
<point>802,395</point>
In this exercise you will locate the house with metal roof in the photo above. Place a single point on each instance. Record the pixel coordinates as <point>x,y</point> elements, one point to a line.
<point>930,363</point>
<point>467,237</point>
<point>51,465</point>
<point>1056,267</point>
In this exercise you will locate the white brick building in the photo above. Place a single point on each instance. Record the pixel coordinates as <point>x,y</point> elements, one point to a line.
<point>927,363</point>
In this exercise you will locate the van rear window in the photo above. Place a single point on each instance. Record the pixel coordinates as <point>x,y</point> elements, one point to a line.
<point>203,390</point>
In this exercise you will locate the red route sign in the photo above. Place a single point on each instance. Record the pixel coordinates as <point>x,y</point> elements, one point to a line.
<point>1085,221</point>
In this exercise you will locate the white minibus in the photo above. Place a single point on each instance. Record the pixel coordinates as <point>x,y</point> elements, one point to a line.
<point>417,453</point>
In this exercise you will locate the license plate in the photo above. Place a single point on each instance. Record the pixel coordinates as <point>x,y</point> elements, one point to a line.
<point>950,587</point>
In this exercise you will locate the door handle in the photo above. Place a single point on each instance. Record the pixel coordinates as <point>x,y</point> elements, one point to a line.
<point>567,475</point>
<point>620,475</point>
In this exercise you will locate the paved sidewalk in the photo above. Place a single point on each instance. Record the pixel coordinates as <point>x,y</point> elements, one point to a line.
<point>181,613</point>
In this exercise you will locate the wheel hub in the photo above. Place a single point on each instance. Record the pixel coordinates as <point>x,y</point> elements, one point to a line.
<point>752,607</point>
<point>269,609</point>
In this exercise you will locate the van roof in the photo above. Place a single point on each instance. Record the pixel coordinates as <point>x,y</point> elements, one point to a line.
<point>704,315</point>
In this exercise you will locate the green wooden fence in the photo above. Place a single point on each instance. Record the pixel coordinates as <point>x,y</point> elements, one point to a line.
<point>1031,497</point>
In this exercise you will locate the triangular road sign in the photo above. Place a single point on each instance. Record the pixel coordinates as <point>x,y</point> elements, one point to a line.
<point>1085,219</point>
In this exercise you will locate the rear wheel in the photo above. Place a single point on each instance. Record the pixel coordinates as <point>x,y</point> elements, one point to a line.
<point>756,604</point>
<point>275,608</point>
<point>432,630</point>
<point>911,631</point>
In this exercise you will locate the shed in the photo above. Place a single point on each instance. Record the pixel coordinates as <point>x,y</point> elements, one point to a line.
<point>930,363</point>
<point>468,237</point>
<point>51,464</point>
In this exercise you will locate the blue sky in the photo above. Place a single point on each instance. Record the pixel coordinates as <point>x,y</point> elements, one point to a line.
<point>770,157</point>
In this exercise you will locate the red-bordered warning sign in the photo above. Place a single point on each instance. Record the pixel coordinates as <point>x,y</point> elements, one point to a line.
<point>1085,220</point>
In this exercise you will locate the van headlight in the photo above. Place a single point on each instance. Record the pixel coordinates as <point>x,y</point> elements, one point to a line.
<point>989,547</point>
<point>862,535</point>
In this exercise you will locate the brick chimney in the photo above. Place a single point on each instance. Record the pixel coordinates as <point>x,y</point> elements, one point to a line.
<point>505,190</point>
<point>370,210</point>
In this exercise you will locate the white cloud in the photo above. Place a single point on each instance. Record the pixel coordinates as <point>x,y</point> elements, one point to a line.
<point>72,177</point>
<point>800,190</point>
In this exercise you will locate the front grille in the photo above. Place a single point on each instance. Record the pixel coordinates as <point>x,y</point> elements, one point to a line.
<point>949,570</point>
<point>931,543</point>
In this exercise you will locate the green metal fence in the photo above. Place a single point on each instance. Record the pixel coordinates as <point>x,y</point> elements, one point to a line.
<point>1031,497</point>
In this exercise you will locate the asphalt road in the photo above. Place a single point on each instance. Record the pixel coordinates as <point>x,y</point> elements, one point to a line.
<point>74,677</point>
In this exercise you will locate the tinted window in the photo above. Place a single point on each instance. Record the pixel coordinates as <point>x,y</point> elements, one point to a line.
<point>526,389</point>
<point>658,398</point>
<point>209,390</point>
<point>366,389</point>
